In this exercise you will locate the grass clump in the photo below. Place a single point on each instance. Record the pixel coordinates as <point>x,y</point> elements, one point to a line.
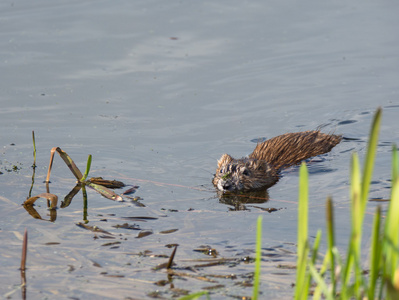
<point>339,278</point>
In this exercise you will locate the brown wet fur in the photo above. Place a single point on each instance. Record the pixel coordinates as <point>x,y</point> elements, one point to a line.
<point>261,169</point>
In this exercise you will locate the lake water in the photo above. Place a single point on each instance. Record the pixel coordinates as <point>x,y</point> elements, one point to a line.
<point>156,92</point>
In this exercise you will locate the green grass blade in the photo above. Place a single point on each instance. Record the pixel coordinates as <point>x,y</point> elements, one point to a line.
<point>331,241</point>
<point>87,169</point>
<point>356,208</point>
<point>302,278</point>
<point>350,280</point>
<point>34,150</point>
<point>357,221</point>
<point>353,249</point>
<point>326,264</point>
<point>255,292</point>
<point>391,230</point>
<point>392,291</point>
<point>359,197</point>
<point>320,282</point>
<point>360,286</point>
<point>315,252</point>
<point>375,255</point>
<point>316,245</point>
<point>359,201</point>
<point>395,163</point>
<point>370,156</point>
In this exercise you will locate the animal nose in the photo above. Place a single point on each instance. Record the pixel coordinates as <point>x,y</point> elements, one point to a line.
<point>226,185</point>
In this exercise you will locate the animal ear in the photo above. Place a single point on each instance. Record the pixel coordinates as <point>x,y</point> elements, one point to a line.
<point>225,159</point>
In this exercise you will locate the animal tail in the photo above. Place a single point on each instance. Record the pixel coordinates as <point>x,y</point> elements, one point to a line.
<point>291,148</point>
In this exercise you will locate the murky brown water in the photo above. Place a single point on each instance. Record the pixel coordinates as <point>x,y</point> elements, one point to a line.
<point>156,93</point>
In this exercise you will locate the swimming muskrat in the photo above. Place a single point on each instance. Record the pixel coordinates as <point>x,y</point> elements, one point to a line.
<point>261,169</point>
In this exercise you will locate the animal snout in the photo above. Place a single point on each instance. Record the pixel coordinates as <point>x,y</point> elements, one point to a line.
<point>225,185</point>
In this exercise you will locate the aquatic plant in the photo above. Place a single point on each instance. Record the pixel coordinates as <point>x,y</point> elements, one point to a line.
<point>346,278</point>
<point>99,184</point>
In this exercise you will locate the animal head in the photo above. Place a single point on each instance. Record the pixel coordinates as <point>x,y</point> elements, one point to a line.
<point>243,174</point>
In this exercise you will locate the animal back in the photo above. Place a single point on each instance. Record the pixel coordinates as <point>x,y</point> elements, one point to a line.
<point>291,148</point>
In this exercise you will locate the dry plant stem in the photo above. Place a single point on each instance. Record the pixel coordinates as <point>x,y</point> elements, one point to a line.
<point>23,264</point>
<point>65,157</point>
<point>50,165</point>
<point>24,250</point>
<point>34,164</point>
<point>172,256</point>
<point>23,257</point>
<point>34,150</point>
<point>33,180</point>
